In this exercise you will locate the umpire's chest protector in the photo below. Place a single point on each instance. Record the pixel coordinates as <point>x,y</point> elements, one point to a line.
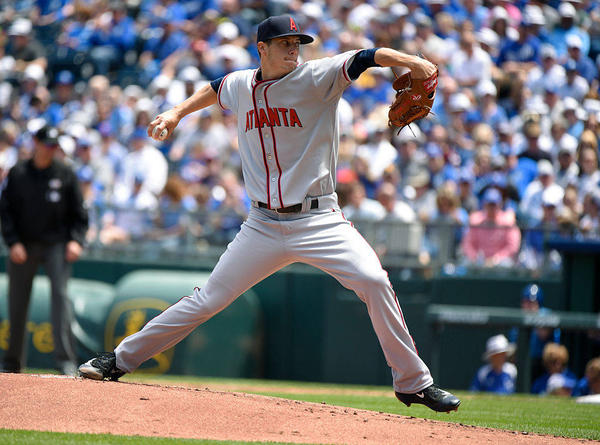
<point>288,128</point>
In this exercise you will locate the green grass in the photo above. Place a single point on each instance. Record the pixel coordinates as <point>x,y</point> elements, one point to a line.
<point>533,414</point>
<point>22,437</point>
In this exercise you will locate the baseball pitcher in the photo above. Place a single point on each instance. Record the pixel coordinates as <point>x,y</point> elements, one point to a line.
<point>288,143</point>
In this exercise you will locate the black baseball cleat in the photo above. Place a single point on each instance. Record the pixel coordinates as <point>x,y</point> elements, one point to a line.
<point>432,397</point>
<point>103,366</point>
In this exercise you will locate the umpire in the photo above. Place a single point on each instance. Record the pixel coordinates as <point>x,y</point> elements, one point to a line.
<point>43,223</point>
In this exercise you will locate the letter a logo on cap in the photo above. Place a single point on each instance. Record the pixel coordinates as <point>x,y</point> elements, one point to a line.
<point>293,25</point>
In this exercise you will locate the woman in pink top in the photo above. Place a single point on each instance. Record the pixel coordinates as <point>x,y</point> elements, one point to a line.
<point>493,238</point>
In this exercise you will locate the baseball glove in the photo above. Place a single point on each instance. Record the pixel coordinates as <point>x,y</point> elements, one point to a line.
<point>414,99</point>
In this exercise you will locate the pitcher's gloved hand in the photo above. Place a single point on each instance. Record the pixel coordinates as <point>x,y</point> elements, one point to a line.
<point>414,99</point>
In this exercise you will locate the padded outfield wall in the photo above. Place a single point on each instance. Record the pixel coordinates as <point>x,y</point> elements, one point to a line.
<point>299,324</point>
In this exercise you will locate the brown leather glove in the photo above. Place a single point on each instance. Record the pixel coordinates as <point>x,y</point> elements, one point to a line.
<point>414,99</point>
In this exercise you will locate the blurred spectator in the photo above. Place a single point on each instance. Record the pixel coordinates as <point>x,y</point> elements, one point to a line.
<point>567,170</point>
<point>410,161</point>
<point>488,110</point>
<point>175,205</point>
<point>8,151</point>
<point>531,203</point>
<point>560,385</point>
<point>395,209</point>
<point>113,34</point>
<point>572,114</point>
<point>359,207</point>
<point>567,27</point>
<point>532,301</point>
<point>533,254</point>
<point>378,152</point>
<point>399,233</point>
<point>229,205</point>
<point>575,86</point>
<point>522,54</point>
<point>549,74</point>
<point>420,195</point>
<point>499,375</point>
<point>470,64</point>
<point>589,225</point>
<point>554,358</point>
<point>143,163</point>
<point>475,12</point>
<point>431,45</point>
<point>532,148</point>
<point>467,198</point>
<point>446,224</point>
<point>589,175</point>
<point>520,171</point>
<point>129,220</point>
<point>64,102</point>
<point>203,129</point>
<point>590,383</point>
<point>585,67</point>
<point>439,170</point>
<point>23,47</point>
<point>571,205</point>
<point>493,239</point>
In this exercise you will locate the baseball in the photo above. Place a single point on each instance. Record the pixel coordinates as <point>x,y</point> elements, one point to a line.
<point>163,134</point>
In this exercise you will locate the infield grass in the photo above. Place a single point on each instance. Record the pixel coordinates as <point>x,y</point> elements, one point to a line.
<point>21,437</point>
<point>543,415</point>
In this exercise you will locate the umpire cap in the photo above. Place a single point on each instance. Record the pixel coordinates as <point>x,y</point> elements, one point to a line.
<point>280,26</point>
<point>47,135</point>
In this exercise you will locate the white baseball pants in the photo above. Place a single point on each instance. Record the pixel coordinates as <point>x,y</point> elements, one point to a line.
<point>269,241</point>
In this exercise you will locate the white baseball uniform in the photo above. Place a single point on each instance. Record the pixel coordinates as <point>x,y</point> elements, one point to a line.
<point>288,143</point>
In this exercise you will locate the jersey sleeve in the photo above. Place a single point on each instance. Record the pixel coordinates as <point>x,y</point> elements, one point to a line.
<point>330,75</point>
<point>227,92</point>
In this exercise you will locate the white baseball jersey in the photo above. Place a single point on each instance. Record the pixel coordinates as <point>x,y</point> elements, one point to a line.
<point>288,141</point>
<point>288,129</point>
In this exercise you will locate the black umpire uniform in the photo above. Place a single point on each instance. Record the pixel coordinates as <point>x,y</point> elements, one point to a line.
<point>42,214</point>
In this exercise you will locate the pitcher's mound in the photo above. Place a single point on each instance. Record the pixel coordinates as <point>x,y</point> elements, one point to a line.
<point>66,404</point>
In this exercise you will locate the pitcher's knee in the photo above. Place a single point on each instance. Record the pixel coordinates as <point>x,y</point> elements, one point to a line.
<point>375,283</point>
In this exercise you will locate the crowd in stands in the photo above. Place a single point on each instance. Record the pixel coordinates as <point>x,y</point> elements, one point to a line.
<point>549,372</point>
<point>509,156</point>
<point>499,375</point>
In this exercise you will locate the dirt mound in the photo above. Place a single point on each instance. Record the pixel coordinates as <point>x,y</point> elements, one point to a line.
<point>66,404</point>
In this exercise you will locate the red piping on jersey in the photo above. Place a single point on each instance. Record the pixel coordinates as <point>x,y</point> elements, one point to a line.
<point>344,70</point>
<point>219,93</point>
<point>274,149</point>
<point>262,144</point>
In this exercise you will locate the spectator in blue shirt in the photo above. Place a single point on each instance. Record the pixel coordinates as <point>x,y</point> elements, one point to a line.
<point>112,37</point>
<point>499,375</point>
<point>583,64</point>
<point>555,358</point>
<point>167,41</point>
<point>590,383</point>
<point>560,385</point>
<point>475,12</point>
<point>439,170</point>
<point>64,102</point>
<point>522,53</point>
<point>488,110</point>
<point>566,27</point>
<point>532,301</point>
